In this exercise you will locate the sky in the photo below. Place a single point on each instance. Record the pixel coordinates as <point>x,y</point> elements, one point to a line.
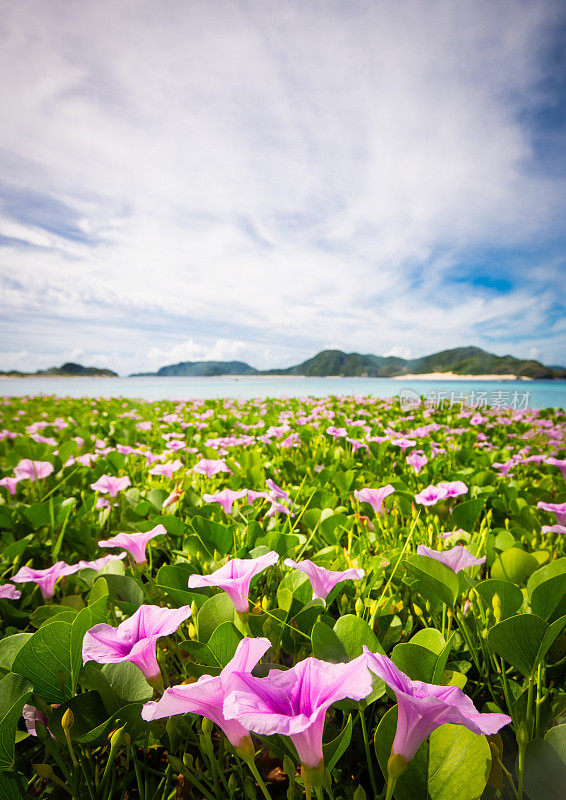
<point>263,179</point>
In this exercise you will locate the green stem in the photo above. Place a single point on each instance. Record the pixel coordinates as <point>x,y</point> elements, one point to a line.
<point>255,772</point>
<point>368,752</point>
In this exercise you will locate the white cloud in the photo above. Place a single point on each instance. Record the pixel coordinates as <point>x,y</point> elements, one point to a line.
<point>255,180</point>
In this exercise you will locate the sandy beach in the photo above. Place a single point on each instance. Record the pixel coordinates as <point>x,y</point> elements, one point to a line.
<point>452,376</point>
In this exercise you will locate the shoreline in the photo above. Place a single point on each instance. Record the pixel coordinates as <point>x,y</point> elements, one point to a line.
<point>453,376</point>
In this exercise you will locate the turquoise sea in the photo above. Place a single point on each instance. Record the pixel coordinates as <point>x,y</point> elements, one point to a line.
<point>518,394</point>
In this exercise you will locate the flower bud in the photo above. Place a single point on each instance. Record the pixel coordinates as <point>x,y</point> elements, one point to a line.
<point>359,607</point>
<point>497,607</point>
<point>67,720</point>
<point>43,770</point>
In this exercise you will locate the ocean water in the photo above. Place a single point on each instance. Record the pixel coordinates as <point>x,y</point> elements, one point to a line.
<point>517,394</point>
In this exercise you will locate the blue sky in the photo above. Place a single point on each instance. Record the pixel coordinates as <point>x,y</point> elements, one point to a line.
<point>262,180</point>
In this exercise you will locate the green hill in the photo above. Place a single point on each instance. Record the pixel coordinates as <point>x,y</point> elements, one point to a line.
<point>461,360</point>
<point>67,370</point>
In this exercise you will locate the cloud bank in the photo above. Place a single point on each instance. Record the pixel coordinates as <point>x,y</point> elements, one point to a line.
<point>259,180</point>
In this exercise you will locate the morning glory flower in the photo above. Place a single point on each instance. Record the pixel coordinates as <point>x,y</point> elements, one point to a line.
<point>557,462</point>
<point>453,488</point>
<point>374,497</point>
<point>108,484</point>
<point>98,563</point>
<point>277,492</point>
<point>134,639</point>
<point>457,558</point>
<point>423,707</point>
<point>166,470</point>
<point>235,577</point>
<point>206,696</point>
<point>558,509</point>
<point>294,703</point>
<point>33,470</point>
<point>417,460</point>
<point>10,483</point>
<point>554,528</point>
<point>134,543</point>
<point>45,578</point>
<point>225,498</point>
<point>9,592</point>
<point>211,466</point>
<point>431,495</point>
<point>323,580</point>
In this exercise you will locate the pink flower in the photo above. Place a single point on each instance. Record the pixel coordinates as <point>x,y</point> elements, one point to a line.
<point>206,696</point>
<point>403,443</point>
<point>134,543</point>
<point>33,470</point>
<point>31,717</point>
<point>107,484</point>
<point>430,496</point>
<point>225,498</point>
<point>10,483</point>
<point>423,707</point>
<point>554,528</point>
<point>235,577</point>
<point>457,558</point>
<point>9,592</point>
<point>453,488</point>
<point>211,466</point>
<point>99,563</point>
<point>45,578</point>
<point>294,702</point>
<point>323,580</point>
<point>558,509</point>
<point>134,639</point>
<point>166,470</point>
<point>560,463</point>
<point>277,492</point>
<point>374,497</point>
<point>417,460</point>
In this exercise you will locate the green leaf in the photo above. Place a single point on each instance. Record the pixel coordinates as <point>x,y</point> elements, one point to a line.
<point>509,594</point>
<point>224,641</point>
<point>514,565</point>
<point>9,647</point>
<point>213,535</point>
<point>434,578</point>
<point>465,515</point>
<point>127,682</point>
<point>334,750</point>
<point>326,645</point>
<point>10,786</point>
<point>523,640</point>
<point>38,515</point>
<point>125,592</point>
<point>547,587</point>
<point>418,662</point>
<point>459,763</point>
<point>545,764</point>
<point>45,659</point>
<point>217,609</point>
<point>173,580</point>
<point>88,711</point>
<point>15,691</point>
<point>354,632</point>
<point>80,625</point>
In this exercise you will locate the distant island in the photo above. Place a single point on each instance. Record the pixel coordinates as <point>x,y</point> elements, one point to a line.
<point>459,362</point>
<point>68,370</point>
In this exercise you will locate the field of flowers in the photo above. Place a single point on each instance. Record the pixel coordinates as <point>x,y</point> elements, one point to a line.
<point>282,598</point>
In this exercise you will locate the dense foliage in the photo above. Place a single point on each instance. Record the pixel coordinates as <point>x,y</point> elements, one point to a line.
<point>215,482</point>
